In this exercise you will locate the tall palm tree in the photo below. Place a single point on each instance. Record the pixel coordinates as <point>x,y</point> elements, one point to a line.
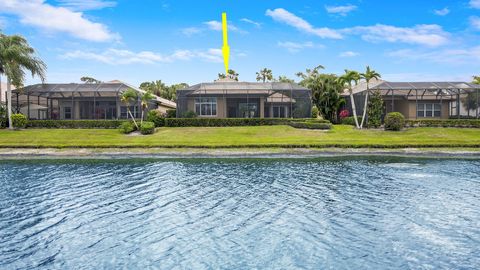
<point>264,75</point>
<point>17,57</point>
<point>346,80</point>
<point>127,98</point>
<point>145,98</point>
<point>368,75</point>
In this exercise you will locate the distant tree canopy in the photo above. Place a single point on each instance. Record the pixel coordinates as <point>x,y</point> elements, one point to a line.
<point>284,79</point>
<point>232,74</point>
<point>89,80</point>
<point>264,75</point>
<point>162,90</point>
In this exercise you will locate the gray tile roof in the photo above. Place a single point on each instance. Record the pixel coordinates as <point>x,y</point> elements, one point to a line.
<point>110,87</point>
<point>245,86</point>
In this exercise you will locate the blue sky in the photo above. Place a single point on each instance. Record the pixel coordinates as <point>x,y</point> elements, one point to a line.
<point>179,41</point>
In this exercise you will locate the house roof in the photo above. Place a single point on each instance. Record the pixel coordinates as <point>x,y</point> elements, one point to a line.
<point>443,88</point>
<point>234,87</point>
<point>60,89</point>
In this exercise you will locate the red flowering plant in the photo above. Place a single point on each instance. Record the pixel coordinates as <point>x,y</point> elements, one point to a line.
<point>344,114</point>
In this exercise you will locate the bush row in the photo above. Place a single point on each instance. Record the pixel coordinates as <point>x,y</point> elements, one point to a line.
<point>311,125</point>
<point>107,124</point>
<point>231,122</point>
<point>463,123</point>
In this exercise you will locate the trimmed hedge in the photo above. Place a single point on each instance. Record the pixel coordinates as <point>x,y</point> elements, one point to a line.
<point>458,123</point>
<point>175,122</point>
<point>147,128</point>
<point>72,124</point>
<point>232,122</point>
<point>311,125</point>
<point>351,120</point>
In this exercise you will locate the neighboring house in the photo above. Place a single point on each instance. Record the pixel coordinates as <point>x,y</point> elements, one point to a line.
<point>80,101</point>
<point>418,100</point>
<point>3,92</point>
<point>227,98</point>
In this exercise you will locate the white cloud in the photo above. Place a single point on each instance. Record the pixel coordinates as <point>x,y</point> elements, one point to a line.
<point>40,14</point>
<point>348,54</point>
<point>475,22</point>
<point>450,56</point>
<point>424,34</point>
<point>341,10</point>
<point>190,31</point>
<point>86,4</point>
<point>217,26</point>
<point>475,4</point>
<point>294,47</point>
<point>284,16</point>
<point>442,12</point>
<point>126,57</point>
<point>257,24</point>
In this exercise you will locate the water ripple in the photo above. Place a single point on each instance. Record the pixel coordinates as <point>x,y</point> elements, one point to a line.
<point>354,213</point>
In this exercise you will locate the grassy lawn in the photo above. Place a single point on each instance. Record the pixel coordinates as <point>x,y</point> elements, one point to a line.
<point>262,136</point>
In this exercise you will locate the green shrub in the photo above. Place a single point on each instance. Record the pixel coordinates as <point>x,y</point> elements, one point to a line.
<point>147,128</point>
<point>156,117</point>
<point>311,125</point>
<point>189,114</point>
<point>394,121</point>
<point>172,113</point>
<point>3,117</point>
<point>127,127</point>
<point>19,121</point>
<point>223,122</point>
<point>314,112</point>
<point>72,124</point>
<point>375,110</point>
<point>351,120</point>
<point>457,123</point>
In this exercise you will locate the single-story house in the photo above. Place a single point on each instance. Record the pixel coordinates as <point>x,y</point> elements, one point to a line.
<point>76,101</point>
<point>227,98</point>
<point>418,100</point>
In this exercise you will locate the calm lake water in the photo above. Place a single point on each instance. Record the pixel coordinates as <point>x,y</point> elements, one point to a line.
<point>350,213</point>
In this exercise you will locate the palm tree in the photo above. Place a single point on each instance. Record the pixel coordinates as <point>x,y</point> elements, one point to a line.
<point>284,79</point>
<point>16,57</point>
<point>368,75</point>
<point>127,98</point>
<point>231,74</point>
<point>90,80</point>
<point>264,75</point>
<point>145,98</point>
<point>346,81</point>
<point>476,79</point>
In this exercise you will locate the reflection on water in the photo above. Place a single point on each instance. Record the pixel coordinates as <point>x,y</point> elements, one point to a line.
<point>381,213</point>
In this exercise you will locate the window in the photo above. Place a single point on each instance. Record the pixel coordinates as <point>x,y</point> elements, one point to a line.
<point>248,110</point>
<point>124,112</point>
<point>206,106</point>
<point>67,113</point>
<point>279,111</point>
<point>429,110</point>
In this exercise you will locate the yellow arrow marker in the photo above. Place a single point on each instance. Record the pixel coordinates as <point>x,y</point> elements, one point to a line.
<point>225,48</point>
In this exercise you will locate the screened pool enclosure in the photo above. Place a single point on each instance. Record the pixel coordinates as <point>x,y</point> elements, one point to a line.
<point>420,100</point>
<point>231,99</point>
<point>78,101</point>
